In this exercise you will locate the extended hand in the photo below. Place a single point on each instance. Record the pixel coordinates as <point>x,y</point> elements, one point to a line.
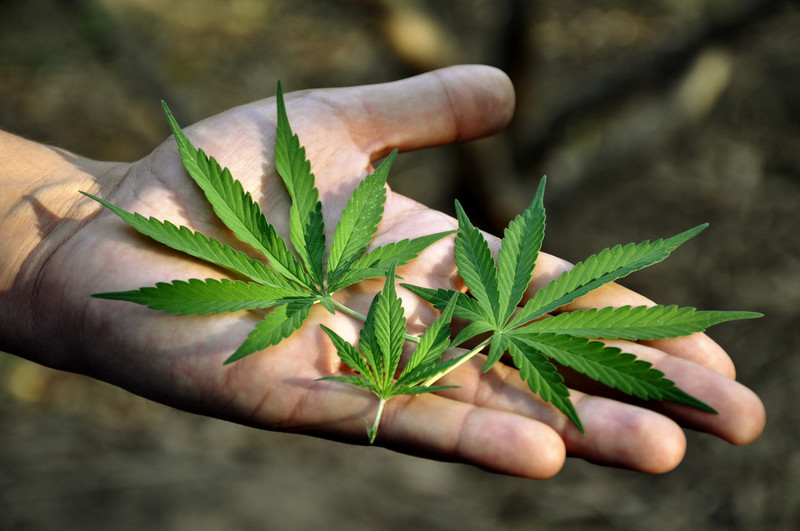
<point>492,420</point>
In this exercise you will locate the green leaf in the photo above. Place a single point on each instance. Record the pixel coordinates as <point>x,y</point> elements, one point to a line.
<point>203,296</point>
<point>235,207</point>
<point>542,378</point>
<point>359,221</point>
<point>473,329</point>
<point>276,326</point>
<point>368,343</point>
<point>353,276</point>
<point>434,342</point>
<point>467,307</point>
<point>421,389</point>
<point>425,374</point>
<point>198,245</point>
<point>353,380</point>
<point>497,348</point>
<point>390,328</point>
<point>306,228</point>
<point>376,263</point>
<point>476,266</point>
<point>351,357</point>
<point>380,348</point>
<point>606,266</point>
<point>610,366</point>
<point>327,302</point>
<point>518,252</point>
<point>655,322</point>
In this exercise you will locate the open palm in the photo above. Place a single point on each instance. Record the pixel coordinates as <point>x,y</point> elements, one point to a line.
<point>491,420</point>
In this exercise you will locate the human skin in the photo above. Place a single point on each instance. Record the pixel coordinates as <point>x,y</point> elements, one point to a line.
<point>59,247</point>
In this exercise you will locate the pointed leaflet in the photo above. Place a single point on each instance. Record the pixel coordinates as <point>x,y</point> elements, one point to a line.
<point>655,322</point>
<point>235,207</point>
<point>476,265</point>
<point>467,308</point>
<point>377,262</point>
<point>606,266</point>
<point>359,220</point>
<point>390,328</point>
<point>542,378</point>
<point>368,343</point>
<point>497,348</point>
<point>473,329</point>
<point>422,376</point>
<point>305,215</point>
<point>327,302</point>
<point>415,389</point>
<point>276,326</point>
<point>202,296</point>
<point>434,342</point>
<point>518,252</point>
<point>199,246</point>
<point>610,366</point>
<point>351,357</point>
<point>358,381</point>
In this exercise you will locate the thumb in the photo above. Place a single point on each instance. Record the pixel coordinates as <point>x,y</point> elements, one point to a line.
<point>448,105</point>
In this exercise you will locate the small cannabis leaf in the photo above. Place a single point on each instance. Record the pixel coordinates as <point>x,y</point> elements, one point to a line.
<point>377,358</point>
<point>534,342</point>
<point>288,283</point>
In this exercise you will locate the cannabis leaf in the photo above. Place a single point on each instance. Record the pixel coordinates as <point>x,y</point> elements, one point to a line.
<point>377,358</point>
<point>536,341</point>
<point>287,283</point>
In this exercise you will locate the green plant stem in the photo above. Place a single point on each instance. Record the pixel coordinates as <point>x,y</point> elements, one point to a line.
<point>355,315</point>
<point>464,359</point>
<point>352,313</point>
<point>373,431</point>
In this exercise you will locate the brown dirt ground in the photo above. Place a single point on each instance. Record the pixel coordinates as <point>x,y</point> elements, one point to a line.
<point>648,118</point>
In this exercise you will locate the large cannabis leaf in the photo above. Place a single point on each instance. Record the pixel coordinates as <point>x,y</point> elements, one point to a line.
<point>288,283</point>
<point>535,341</point>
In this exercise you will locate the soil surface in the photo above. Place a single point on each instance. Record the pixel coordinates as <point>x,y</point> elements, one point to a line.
<point>648,118</point>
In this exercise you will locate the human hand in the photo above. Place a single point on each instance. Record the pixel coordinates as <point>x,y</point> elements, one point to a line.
<point>492,420</point>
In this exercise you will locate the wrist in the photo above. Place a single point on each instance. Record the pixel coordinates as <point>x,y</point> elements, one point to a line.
<point>40,209</point>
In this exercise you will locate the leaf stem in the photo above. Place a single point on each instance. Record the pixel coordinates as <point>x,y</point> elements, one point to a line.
<point>352,313</point>
<point>373,430</point>
<point>464,359</point>
<point>355,315</point>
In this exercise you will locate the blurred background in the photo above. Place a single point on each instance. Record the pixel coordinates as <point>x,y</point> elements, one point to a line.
<point>648,118</point>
